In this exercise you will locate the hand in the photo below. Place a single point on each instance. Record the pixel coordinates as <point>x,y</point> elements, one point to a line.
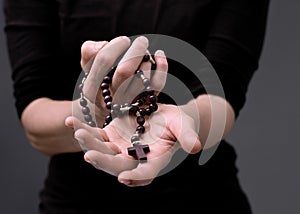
<point>99,57</point>
<point>167,130</point>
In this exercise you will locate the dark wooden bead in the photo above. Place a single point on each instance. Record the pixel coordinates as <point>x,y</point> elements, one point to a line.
<point>83,102</point>
<point>140,129</point>
<point>133,110</point>
<point>142,111</point>
<point>153,107</point>
<point>140,102</point>
<point>108,119</point>
<point>85,110</point>
<point>153,67</point>
<point>108,105</point>
<point>107,99</point>
<point>106,92</point>
<point>92,123</point>
<point>149,90</point>
<point>88,118</point>
<point>112,71</point>
<point>146,58</point>
<point>148,111</point>
<point>140,120</point>
<point>146,82</point>
<point>153,98</point>
<point>107,79</point>
<point>104,86</point>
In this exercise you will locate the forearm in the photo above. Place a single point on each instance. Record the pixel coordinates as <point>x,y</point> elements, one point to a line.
<point>214,118</point>
<point>44,124</point>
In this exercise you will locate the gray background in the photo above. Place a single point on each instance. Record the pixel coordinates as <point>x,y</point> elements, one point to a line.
<point>265,135</point>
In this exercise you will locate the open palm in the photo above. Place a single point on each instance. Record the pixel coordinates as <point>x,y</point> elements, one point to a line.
<point>167,130</point>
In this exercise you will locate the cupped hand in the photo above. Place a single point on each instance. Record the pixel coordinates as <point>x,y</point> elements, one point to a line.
<point>167,130</point>
<point>98,58</point>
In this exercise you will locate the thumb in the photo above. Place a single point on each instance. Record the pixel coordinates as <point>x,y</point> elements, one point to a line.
<point>185,133</point>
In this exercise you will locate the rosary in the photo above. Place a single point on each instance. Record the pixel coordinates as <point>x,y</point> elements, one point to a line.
<point>142,105</point>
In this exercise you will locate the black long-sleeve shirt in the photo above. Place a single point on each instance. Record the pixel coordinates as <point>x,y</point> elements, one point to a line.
<point>44,40</point>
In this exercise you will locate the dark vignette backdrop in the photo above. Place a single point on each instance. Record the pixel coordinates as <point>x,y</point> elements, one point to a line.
<point>265,135</point>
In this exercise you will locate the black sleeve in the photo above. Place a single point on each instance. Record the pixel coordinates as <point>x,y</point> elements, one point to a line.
<point>234,45</point>
<point>32,37</point>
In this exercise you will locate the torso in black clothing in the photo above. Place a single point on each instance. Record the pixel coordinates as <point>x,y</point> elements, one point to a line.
<point>44,40</point>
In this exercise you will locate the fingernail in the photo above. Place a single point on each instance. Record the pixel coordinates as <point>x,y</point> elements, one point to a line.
<point>160,53</point>
<point>90,162</point>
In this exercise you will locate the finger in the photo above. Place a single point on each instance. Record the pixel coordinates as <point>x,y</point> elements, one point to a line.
<point>76,124</point>
<point>184,132</point>
<point>133,86</point>
<point>103,62</point>
<point>144,173</point>
<point>89,142</point>
<point>89,49</point>
<point>91,138</point>
<point>130,61</point>
<point>112,164</point>
<point>159,77</point>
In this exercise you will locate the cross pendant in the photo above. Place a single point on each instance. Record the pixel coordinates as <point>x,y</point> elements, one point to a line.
<point>139,151</point>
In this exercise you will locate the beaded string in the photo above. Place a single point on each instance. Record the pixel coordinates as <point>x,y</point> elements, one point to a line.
<point>143,105</point>
<point>84,103</point>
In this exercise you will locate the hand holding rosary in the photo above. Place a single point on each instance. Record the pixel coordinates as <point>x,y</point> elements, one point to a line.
<point>142,106</point>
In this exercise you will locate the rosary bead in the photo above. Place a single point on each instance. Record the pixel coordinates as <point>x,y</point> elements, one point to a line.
<point>104,86</point>
<point>153,66</point>
<point>139,73</point>
<point>140,120</point>
<point>153,99</point>
<point>85,110</point>
<point>149,90</point>
<point>148,112</point>
<point>105,92</point>
<point>83,102</point>
<point>107,79</point>
<point>107,99</point>
<point>80,86</point>
<point>146,58</point>
<point>142,111</point>
<point>108,105</point>
<point>140,102</point>
<point>146,82</point>
<point>92,123</point>
<point>133,110</point>
<point>153,107</point>
<point>140,129</point>
<point>108,118</point>
<point>88,117</point>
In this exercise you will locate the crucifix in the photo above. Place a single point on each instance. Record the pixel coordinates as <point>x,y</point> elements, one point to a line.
<point>139,151</point>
